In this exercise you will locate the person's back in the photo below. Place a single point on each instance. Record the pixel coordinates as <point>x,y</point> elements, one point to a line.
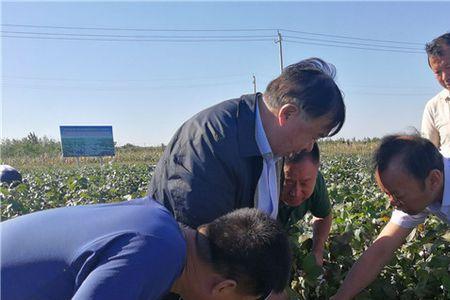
<point>214,147</point>
<point>126,250</point>
<point>8,174</point>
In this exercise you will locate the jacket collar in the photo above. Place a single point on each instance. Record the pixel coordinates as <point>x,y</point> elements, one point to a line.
<point>246,125</point>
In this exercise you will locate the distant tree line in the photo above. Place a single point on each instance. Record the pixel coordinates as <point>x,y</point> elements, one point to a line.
<point>365,140</point>
<point>31,146</point>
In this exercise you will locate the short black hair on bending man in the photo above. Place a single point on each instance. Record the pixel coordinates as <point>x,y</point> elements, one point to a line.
<point>418,155</point>
<point>309,84</point>
<point>435,47</point>
<point>249,247</point>
<point>314,155</point>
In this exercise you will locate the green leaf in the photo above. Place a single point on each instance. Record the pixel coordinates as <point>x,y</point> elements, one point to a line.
<point>21,188</point>
<point>440,261</point>
<point>446,236</point>
<point>310,267</point>
<point>446,282</point>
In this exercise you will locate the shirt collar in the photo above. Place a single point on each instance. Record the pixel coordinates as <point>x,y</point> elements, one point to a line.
<point>446,95</point>
<point>261,138</point>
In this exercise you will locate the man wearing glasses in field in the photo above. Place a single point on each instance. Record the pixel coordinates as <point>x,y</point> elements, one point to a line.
<point>416,178</point>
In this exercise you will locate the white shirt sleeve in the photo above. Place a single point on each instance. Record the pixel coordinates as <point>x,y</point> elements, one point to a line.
<point>405,220</point>
<point>429,130</point>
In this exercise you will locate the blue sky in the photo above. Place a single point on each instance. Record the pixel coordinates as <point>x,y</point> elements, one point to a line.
<point>147,89</point>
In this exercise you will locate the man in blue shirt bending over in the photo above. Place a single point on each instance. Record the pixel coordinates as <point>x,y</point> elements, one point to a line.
<point>136,250</point>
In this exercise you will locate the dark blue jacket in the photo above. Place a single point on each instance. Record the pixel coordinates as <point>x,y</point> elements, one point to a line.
<point>212,164</point>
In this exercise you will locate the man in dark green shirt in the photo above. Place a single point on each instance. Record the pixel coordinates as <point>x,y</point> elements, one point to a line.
<point>303,191</point>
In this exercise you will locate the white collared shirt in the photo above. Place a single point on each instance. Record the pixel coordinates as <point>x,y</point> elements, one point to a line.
<point>436,121</point>
<point>267,189</point>
<point>441,210</point>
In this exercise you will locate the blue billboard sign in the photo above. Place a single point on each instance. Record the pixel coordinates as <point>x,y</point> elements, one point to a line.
<point>79,141</point>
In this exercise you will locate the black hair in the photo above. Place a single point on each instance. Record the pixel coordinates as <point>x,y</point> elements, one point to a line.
<point>435,47</point>
<point>309,84</point>
<point>314,155</point>
<point>9,175</point>
<point>418,155</point>
<point>249,247</point>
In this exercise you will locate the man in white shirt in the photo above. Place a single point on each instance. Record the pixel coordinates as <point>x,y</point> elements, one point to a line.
<point>436,116</point>
<point>416,178</point>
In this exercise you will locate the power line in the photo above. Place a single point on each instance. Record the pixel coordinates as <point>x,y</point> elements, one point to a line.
<point>119,88</point>
<point>140,36</point>
<point>206,38</point>
<point>138,40</point>
<point>135,29</point>
<point>159,78</point>
<point>222,38</point>
<point>210,30</point>
<point>351,43</point>
<point>352,37</point>
<point>352,47</point>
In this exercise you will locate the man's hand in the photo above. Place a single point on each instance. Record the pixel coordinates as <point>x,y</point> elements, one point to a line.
<point>321,229</point>
<point>369,265</point>
<point>318,255</point>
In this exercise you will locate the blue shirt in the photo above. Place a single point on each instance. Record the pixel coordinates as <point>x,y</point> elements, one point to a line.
<point>128,250</point>
<point>267,184</point>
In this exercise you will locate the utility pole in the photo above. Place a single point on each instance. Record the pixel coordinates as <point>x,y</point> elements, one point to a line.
<point>281,49</point>
<point>254,84</point>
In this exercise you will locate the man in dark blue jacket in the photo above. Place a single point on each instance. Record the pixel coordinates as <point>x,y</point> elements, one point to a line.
<point>226,156</point>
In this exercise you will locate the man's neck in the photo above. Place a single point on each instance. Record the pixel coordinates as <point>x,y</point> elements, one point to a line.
<point>268,119</point>
<point>182,282</point>
<point>197,275</point>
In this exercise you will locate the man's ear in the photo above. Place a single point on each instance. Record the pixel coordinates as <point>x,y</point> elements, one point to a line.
<point>202,228</point>
<point>434,179</point>
<point>225,287</point>
<point>378,180</point>
<point>286,112</point>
